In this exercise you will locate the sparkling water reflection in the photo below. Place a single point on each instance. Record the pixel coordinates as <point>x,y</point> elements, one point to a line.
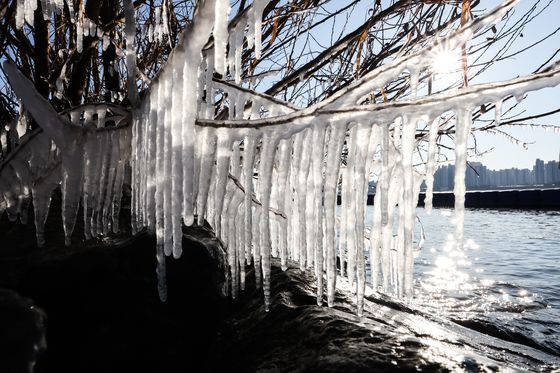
<point>504,282</point>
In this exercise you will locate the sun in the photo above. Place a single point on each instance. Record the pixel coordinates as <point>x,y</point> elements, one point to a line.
<point>445,61</point>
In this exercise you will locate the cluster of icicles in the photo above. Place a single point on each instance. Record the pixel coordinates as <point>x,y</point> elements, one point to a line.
<point>91,169</point>
<point>265,174</point>
<point>25,10</point>
<point>159,29</point>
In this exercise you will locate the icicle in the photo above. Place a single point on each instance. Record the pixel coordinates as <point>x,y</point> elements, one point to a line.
<point>222,162</point>
<point>387,229</point>
<point>337,135</point>
<point>284,150</point>
<point>294,172</point>
<point>130,35</point>
<point>375,240</point>
<point>359,195</point>
<point>256,234</point>
<point>383,186</point>
<point>414,83</point>
<point>241,253</point>
<point>106,41</point>
<point>179,159</point>
<point>111,174</point>
<point>70,5</point>
<point>317,157</point>
<point>30,6</point>
<point>160,150</point>
<point>498,112</point>
<point>21,126</point>
<point>409,209</point>
<point>265,173</point>
<point>161,273</point>
<point>90,175</point>
<point>310,218</point>
<point>86,26</point>
<point>20,13</point>
<point>248,160</point>
<point>45,10</point>
<point>301,194</point>
<point>349,219</point>
<point>93,28</point>
<point>430,165</point>
<point>167,174</point>
<point>274,229</point>
<point>188,135</point>
<point>258,8</point>
<point>463,128</point>
<point>72,168</point>
<point>232,214</point>
<point>236,48</point>
<point>208,145</point>
<point>373,166</point>
<point>101,188</point>
<point>164,19</point>
<point>79,34</point>
<point>221,35</point>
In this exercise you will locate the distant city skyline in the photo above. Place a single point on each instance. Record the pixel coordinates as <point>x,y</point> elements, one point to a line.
<point>478,176</point>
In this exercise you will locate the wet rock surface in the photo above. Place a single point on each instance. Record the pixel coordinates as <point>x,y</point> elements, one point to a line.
<point>296,335</point>
<point>22,328</point>
<point>102,313</point>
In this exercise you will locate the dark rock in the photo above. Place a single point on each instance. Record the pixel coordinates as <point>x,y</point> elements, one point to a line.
<point>22,333</point>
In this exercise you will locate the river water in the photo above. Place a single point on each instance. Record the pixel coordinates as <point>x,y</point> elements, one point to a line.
<point>505,283</point>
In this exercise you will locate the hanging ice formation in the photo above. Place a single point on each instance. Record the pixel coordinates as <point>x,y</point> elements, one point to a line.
<point>198,142</point>
<point>84,150</point>
<point>25,10</point>
<point>159,29</point>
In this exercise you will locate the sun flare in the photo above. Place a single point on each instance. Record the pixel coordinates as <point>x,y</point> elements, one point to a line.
<point>446,61</point>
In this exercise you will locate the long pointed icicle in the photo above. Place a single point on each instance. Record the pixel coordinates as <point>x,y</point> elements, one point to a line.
<point>130,32</point>
<point>363,132</point>
<point>337,134</point>
<point>167,175</point>
<point>284,164</point>
<point>248,161</point>
<point>408,207</point>
<point>268,151</point>
<point>317,157</point>
<point>178,158</point>
<point>350,207</point>
<point>462,131</point>
<point>301,195</point>
<point>430,165</point>
<point>220,35</point>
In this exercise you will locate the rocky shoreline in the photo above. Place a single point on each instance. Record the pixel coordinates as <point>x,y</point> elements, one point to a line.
<point>98,310</point>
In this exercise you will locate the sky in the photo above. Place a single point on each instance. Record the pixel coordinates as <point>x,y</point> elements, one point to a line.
<point>544,145</point>
<point>498,150</point>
